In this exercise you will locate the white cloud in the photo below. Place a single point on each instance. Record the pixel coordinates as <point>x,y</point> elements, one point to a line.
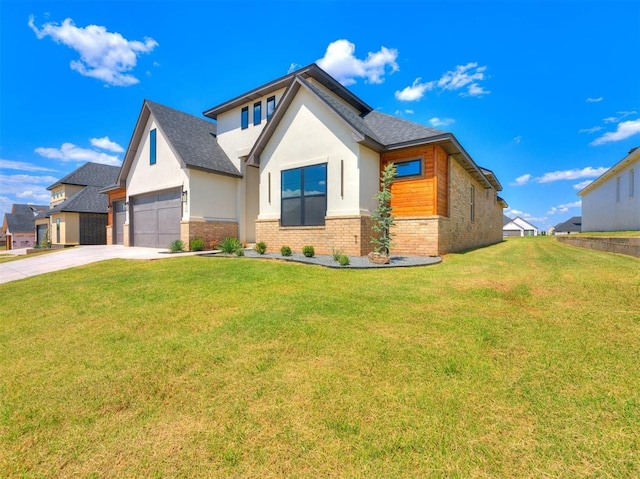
<point>564,208</point>
<point>404,112</point>
<point>594,100</point>
<point>415,91</point>
<point>41,196</point>
<point>438,122</point>
<point>464,76</point>
<point>574,174</point>
<point>593,129</point>
<point>105,143</point>
<point>27,187</point>
<point>582,185</point>
<point>513,213</point>
<point>623,131</point>
<point>21,166</point>
<point>71,152</point>
<point>517,139</point>
<point>5,206</point>
<point>340,62</point>
<point>104,55</point>
<point>293,67</point>
<point>522,180</point>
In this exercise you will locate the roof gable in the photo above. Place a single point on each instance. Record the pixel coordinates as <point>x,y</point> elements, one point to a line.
<point>192,139</point>
<point>632,156</point>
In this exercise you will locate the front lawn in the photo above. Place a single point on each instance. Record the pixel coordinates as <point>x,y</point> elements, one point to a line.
<point>516,360</point>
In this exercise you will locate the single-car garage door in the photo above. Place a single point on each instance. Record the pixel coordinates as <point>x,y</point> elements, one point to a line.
<point>156,218</point>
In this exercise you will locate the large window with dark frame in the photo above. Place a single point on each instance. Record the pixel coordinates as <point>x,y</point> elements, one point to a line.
<point>152,147</point>
<point>244,118</point>
<point>271,105</point>
<point>257,113</point>
<point>407,169</point>
<point>304,196</point>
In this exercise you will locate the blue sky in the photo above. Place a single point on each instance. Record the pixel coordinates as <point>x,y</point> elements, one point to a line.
<point>546,94</point>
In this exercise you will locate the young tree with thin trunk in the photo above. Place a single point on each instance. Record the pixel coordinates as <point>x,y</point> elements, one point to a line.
<point>383,218</point>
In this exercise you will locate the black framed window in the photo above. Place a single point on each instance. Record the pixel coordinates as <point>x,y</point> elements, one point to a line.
<point>152,147</point>
<point>257,113</point>
<point>244,118</point>
<point>271,105</point>
<point>407,169</point>
<point>304,196</point>
<point>472,203</point>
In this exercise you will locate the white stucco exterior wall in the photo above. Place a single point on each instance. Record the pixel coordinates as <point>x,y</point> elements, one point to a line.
<point>310,134</point>
<point>166,173</point>
<point>210,196</point>
<point>601,209</point>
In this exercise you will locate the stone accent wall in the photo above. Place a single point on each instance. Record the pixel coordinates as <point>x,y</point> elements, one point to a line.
<point>109,229</point>
<point>208,231</point>
<point>126,241</point>
<point>351,234</point>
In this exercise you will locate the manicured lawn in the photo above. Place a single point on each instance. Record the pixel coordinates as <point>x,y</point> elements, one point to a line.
<point>517,360</point>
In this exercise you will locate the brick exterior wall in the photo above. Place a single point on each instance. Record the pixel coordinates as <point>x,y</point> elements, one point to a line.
<point>351,234</point>
<point>416,236</point>
<point>458,232</point>
<point>208,231</point>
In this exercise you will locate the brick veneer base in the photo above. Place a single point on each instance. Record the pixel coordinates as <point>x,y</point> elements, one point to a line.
<point>351,234</point>
<point>208,231</point>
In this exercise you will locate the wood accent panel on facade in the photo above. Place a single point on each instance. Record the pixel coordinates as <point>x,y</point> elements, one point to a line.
<point>426,195</point>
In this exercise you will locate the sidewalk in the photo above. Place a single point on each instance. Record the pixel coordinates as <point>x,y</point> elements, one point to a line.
<point>72,257</point>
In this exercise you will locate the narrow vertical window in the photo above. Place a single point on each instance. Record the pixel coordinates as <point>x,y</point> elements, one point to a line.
<point>618,188</point>
<point>473,203</point>
<point>271,105</point>
<point>152,147</point>
<point>257,113</point>
<point>632,183</point>
<point>244,118</point>
<point>269,185</point>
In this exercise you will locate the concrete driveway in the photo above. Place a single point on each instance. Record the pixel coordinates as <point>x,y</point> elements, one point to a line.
<point>72,257</point>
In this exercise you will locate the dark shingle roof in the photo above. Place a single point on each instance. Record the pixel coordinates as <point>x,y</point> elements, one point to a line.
<point>193,139</point>
<point>90,174</point>
<point>20,220</point>
<point>392,130</point>
<point>506,220</point>
<point>87,200</point>
<point>572,225</point>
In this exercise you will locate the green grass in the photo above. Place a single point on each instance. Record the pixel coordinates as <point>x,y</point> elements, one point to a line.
<point>612,234</point>
<point>516,360</point>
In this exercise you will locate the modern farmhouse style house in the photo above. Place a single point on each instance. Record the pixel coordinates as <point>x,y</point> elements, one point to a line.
<point>612,201</point>
<point>297,161</point>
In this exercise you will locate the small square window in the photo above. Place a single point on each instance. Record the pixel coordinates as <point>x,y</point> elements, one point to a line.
<point>244,118</point>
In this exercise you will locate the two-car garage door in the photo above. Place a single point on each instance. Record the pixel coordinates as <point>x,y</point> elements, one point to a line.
<point>156,218</point>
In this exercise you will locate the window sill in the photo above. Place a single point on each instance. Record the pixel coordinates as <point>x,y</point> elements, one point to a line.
<point>297,228</point>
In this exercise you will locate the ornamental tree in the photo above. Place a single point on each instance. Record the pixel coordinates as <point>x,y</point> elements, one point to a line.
<point>383,218</point>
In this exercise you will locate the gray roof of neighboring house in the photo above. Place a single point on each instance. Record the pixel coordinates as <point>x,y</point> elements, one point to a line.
<point>87,200</point>
<point>90,174</point>
<point>572,225</point>
<point>193,139</point>
<point>506,220</point>
<point>20,220</point>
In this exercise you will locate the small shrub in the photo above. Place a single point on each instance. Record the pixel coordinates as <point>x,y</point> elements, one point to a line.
<point>196,244</point>
<point>336,253</point>
<point>343,259</point>
<point>240,251</point>
<point>261,248</point>
<point>285,251</point>
<point>308,251</point>
<point>230,245</point>
<point>176,246</point>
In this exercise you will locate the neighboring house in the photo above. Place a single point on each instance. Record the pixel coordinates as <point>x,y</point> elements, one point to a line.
<point>297,161</point>
<point>518,227</point>
<point>572,225</point>
<point>612,201</point>
<point>18,227</point>
<point>78,210</point>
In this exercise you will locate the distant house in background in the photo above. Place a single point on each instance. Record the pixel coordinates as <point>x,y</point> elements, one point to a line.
<point>612,201</point>
<point>18,226</point>
<point>518,227</point>
<point>573,225</point>
<point>78,211</point>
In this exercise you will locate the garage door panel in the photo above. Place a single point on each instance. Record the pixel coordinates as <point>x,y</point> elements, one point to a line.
<point>156,218</point>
